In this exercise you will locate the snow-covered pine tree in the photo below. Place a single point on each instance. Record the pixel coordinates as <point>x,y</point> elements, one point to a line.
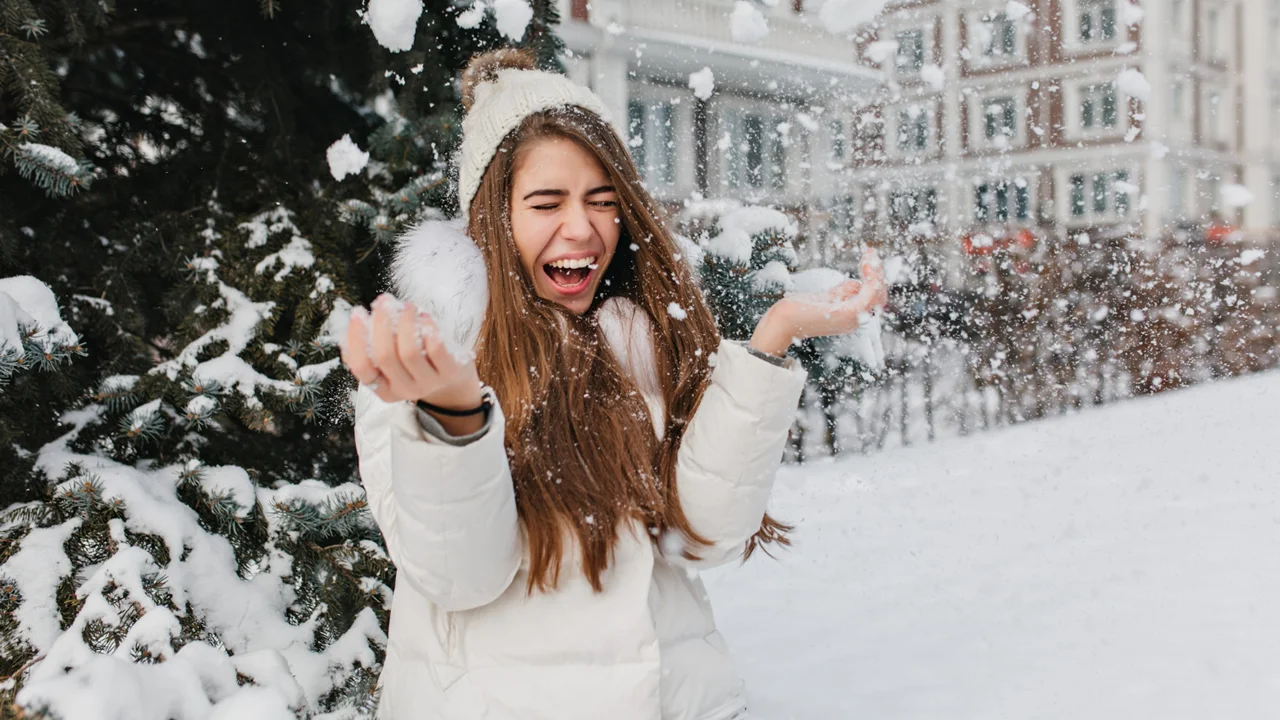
<point>182,533</point>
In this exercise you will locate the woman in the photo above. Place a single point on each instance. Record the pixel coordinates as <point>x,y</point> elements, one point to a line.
<point>547,527</point>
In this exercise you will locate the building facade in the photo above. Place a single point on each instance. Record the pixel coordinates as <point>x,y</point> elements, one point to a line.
<point>1069,115</point>
<point>775,131</point>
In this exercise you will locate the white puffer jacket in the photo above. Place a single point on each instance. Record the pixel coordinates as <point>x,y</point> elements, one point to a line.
<point>468,641</point>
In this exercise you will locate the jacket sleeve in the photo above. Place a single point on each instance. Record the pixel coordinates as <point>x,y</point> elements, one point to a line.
<point>731,451</point>
<point>447,512</point>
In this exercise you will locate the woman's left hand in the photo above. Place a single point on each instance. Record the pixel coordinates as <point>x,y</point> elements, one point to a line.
<point>838,311</point>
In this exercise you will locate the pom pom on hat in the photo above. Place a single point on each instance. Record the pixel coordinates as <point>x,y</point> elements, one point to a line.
<point>484,68</point>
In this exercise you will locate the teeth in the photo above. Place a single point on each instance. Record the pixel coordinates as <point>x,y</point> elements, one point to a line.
<point>571,264</point>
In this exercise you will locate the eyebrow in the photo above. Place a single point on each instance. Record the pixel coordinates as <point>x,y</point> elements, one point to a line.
<point>565,193</point>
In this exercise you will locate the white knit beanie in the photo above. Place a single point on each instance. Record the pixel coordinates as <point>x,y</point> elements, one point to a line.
<point>499,106</point>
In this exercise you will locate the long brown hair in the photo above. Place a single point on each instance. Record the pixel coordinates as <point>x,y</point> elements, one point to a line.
<point>583,452</point>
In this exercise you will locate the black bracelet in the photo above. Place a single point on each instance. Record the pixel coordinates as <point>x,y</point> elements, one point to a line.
<point>483,407</point>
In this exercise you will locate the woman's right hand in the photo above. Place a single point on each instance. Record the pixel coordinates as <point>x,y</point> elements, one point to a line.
<point>400,354</point>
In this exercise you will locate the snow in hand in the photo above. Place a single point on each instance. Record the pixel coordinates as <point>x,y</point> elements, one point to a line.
<point>702,83</point>
<point>747,23</point>
<point>1113,564</point>
<point>394,22</point>
<point>346,158</point>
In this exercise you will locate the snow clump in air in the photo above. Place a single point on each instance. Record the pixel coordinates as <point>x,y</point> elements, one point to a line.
<point>702,83</point>
<point>471,17</point>
<point>394,22</point>
<point>1132,14</point>
<point>512,17</point>
<point>1236,195</point>
<point>841,16</point>
<point>933,75</point>
<point>1134,84</point>
<point>346,158</point>
<point>747,23</point>
<point>1015,10</point>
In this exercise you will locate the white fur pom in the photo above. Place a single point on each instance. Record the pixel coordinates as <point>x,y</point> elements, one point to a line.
<point>441,271</point>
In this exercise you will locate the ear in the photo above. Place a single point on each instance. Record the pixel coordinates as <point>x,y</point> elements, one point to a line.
<point>439,269</point>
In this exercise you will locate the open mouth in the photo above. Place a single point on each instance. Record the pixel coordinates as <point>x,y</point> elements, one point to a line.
<point>570,276</point>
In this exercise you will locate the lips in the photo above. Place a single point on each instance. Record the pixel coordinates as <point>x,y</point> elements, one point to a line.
<point>570,276</point>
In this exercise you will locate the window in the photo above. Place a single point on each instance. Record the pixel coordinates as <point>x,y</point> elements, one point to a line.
<point>753,128</point>
<point>910,50</point>
<point>753,152</point>
<point>1122,192</point>
<point>1175,14</point>
<point>651,137</point>
<point>913,207</point>
<point>913,129</point>
<point>992,201</point>
<point>1001,118</point>
<point>1002,31</point>
<point>664,145</point>
<point>1077,195</point>
<point>837,142</point>
<point>1101,194</point>
<point>1099,182</point>
<point>1215,116</point>
<point>1097,21</point>
<point>1098,106</point>
<point>1176,99</point>
<point>1275,200</point>
<point>635,132</point>
<point>778,178</point>
<point>1211,34</point>
<point>1177,192</point>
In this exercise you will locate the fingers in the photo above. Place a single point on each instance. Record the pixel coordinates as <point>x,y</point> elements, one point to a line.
<point>873,278</point>
<point>410,335</point>
<point>433,345</point>
<point>386,351</point>
<point>355,351</point>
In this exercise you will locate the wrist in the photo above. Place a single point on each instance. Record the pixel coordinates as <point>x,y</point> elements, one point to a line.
<point>458,400</point>
<point>772,335</point>
<point>455,413</point>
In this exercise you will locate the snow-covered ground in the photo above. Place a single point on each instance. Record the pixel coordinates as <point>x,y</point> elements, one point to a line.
<point>1120,563</point>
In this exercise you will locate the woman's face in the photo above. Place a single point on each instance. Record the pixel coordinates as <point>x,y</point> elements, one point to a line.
<point>564,216</point>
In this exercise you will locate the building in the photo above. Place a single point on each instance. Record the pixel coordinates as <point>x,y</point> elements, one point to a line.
<point>1070,115</point>
<point>775,131</point>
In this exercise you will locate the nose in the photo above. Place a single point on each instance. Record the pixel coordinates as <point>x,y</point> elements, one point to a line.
<point>577,225</point>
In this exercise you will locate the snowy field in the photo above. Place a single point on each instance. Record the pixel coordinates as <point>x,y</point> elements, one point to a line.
<point>1120,563</point>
